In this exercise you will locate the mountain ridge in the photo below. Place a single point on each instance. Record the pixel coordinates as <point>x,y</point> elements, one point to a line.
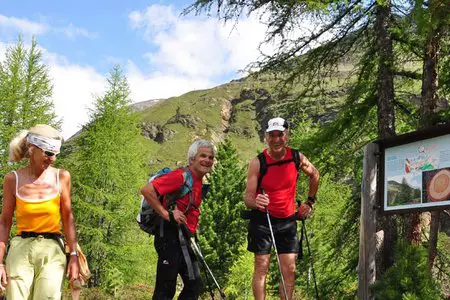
<point>238,110</point>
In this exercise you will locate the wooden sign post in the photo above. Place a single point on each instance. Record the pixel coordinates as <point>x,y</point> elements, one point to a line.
<point>367,237</point>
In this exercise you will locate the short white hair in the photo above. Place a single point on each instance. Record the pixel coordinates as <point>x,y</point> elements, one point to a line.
<point>195,146</point>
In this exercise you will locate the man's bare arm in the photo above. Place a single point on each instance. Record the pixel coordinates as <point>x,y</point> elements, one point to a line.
<point>313,174</point>
<point>252,182</point>
<point>151,197</point>
<point>253,200</point>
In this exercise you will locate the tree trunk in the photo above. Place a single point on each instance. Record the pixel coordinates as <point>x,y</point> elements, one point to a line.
<point>385,101</point>
<point>429,80</point>
<point>428,108</point>
<point>413,228</point>
<point>386,119</point>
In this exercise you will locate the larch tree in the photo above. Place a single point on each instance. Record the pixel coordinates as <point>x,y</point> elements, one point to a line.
<point>221,234</point>
<point>107,164</point>
<point>25,95</point>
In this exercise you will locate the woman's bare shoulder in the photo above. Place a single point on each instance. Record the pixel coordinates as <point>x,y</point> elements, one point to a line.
<point>64,174</point>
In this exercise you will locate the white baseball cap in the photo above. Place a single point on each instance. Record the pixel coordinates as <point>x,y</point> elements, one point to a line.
<point>277,124</point>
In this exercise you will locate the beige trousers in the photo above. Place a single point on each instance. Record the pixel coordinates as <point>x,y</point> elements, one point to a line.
<point>35,267</point>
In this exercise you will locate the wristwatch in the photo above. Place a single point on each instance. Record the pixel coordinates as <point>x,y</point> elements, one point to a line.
<point>312,198</point>
<point>74,253</point>
<point>310,201</point>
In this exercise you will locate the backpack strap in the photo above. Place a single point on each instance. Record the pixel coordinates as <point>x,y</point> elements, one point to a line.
<point>186,188</point>
<point>161,227</point>
<point>297,157</point>
<point>185,251</point>
<point>262,168</point>
<point>187,185</point>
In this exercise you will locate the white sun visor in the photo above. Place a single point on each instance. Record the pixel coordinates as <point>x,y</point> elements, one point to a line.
<point>45,143</point>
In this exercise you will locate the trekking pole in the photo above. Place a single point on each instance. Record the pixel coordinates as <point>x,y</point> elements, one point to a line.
<point>311,257</point>
<point>200,255</point>
<point>276,251</point>
<point>208,282</point>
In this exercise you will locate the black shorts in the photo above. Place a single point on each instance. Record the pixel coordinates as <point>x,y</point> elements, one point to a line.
<point>259,238</point>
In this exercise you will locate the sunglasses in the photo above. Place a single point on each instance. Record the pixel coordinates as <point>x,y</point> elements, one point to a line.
<point>47,153</point>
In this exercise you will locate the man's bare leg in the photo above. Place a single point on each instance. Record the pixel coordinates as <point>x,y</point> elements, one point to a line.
<point>259,276</point>
<point>287,261</point>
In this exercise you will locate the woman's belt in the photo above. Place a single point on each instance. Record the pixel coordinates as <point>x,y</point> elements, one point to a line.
<point>45,235</point>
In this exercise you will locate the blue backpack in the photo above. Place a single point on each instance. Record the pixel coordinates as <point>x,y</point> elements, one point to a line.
<point>147,219</point>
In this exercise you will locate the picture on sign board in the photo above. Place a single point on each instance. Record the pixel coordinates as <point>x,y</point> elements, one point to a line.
<point>404,189</point>
<point>417,174</point>
<point>436,185</point>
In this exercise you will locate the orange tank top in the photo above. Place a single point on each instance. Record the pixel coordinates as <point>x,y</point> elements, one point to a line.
<point>38,215</point>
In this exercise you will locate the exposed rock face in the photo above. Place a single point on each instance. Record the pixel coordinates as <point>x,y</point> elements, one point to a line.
<point>225,113</point>
<point>156,132</point>
<point>184,119</point>
<point>225,118</point>
<point>261,99</point>
<point>247,94</point>
<point>262,110</point>
<point>245,131</point>
<point>217,137</point>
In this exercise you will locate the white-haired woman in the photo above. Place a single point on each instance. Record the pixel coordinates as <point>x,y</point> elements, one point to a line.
<point>39,194</point>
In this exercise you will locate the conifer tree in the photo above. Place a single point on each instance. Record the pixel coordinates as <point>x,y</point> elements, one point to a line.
<point>107,164</point>
<point>221,228</point>
<point>25,95</point>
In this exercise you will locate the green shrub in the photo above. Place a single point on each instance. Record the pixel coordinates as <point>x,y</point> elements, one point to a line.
<point>239,285</point>
<point>408,278</point>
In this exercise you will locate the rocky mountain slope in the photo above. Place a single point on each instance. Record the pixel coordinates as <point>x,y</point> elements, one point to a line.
<point>238,110</point>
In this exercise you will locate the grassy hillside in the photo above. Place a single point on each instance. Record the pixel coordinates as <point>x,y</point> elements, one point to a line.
<point>238,110</point>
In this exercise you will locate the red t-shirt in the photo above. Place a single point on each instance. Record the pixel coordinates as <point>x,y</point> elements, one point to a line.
<point>171,182</point>
<point>280,183</point>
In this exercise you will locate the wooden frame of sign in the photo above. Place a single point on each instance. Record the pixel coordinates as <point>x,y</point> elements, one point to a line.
<point>414,171</point>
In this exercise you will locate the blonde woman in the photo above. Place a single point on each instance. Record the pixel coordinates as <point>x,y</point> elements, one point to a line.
<point>39,194</point>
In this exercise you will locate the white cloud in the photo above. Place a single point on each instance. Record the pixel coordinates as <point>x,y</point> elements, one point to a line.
<point>3,51</point>
<point>154,18</point>
<point>160,85</point>
<point>74,88</point>
<point>71,32</point>
<point>22,25</point>
<point>10,26</point>
<point>198,46</point>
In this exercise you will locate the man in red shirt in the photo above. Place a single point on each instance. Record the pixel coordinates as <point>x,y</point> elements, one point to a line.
<point>172,259</point>
<point>276,191</point>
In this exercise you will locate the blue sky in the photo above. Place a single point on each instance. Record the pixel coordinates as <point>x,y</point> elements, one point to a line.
<point>161,53</point>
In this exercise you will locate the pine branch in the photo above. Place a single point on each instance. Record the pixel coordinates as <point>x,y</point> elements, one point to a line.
<point>408,74</point>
